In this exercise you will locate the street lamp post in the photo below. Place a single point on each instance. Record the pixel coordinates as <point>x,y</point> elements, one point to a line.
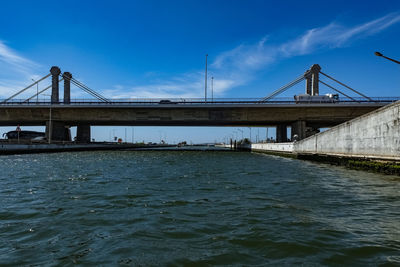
<point>212,89</point>
<point>205,82</point>
<point>37,90</point>
<point>391,59</point>
<point>241,132</point>
<point>50,125</point>
<point>250,133</point>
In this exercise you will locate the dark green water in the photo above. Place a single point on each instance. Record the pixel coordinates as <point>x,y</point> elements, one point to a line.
<point>188,208</point>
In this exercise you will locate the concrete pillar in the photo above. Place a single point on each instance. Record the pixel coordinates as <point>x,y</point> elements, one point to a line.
<point>281,133</point>
<point>307,76</point>
<point>315,69</point>
<point>299,129</point>
<point>83,133</point>
<point>67,87</point>
<point>59,132</point>
<point>55,72</point>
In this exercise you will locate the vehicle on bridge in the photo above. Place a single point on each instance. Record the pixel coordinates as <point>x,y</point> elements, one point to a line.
<point>30,135</point>
<point>305,98</point>
<point>166,101</point>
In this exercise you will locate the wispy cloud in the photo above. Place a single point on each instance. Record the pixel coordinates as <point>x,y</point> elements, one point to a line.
<point>335,35</point>
<point>17,71</point>
<point>15,61</point>
<point>239,65</point>
<point>232,68</point>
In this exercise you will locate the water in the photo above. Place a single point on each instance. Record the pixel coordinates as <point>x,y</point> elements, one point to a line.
<point>185,208</point>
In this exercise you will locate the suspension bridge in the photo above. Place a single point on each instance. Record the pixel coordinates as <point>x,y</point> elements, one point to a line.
<point>305,115</point>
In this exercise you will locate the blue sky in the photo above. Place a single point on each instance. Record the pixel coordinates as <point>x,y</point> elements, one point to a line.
<point>157,49</point>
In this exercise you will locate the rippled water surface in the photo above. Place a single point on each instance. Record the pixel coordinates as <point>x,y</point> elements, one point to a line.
<point>187,208</point>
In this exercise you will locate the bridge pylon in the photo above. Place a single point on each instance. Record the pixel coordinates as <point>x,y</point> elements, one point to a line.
<point>55,73</point>
<point>67,87</point>
<point>312,80</point>
<point>58,130</point>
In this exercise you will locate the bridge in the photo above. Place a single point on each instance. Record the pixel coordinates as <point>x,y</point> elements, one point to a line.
<point>304,117</point>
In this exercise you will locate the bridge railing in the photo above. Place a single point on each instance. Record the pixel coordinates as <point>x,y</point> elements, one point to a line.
<point>197,101</point>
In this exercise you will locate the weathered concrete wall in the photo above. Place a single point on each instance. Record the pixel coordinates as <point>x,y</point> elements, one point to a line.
<point>375,135</point>
<point>280,147</point>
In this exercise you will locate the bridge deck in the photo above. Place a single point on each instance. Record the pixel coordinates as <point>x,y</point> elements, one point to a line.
<point>218,113</point>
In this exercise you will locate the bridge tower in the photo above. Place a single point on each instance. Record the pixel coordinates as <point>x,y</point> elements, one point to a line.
<point>55,73</point>
<point>67,87</point>
<point>299,128</point>
<point>58,130</point>
<point>312,80</point>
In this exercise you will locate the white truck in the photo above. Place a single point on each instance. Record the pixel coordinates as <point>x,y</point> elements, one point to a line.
<point>305,98</point>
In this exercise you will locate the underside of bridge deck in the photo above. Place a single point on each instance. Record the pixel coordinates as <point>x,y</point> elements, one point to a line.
<point>252,115</point>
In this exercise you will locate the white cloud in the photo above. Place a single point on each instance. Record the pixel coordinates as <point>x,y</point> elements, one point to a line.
<point>15,61</point>
<point>17,72</point>
<point>231,68</point>
<point>334,35</point>
<point>239,65</point>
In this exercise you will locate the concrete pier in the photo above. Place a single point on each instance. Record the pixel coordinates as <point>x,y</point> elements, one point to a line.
<point>83,133</point>
<point>59,131</point>
<point>281,133</point>
<point>298,130</point>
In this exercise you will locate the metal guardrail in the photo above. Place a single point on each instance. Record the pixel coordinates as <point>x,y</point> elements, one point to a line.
<point>197,101</point>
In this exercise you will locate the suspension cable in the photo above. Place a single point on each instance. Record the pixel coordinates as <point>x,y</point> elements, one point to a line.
<point>283,88</point>
<point>41,91</point>
<point>340,92</point>
<point>87,89</point>
<point>26,88</point>
<point>347,86</point>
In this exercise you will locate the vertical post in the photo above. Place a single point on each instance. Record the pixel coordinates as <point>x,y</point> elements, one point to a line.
<point>55,72</point>
<point>307,76</point>
<point>67,87</point>
<point>250,133</point>
<point>50,128</point>
<point>205,82</point>
<point>212,89</point>
<point>315,69</point>
<point>37,93</point>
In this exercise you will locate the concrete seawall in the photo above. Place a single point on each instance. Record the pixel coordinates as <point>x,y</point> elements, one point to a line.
<point>375,135</point>
<point>370,142</point>
<point>274,147</point>
<point>12,148</point>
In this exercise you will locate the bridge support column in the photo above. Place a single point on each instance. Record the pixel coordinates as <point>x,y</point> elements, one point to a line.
<point>299,129</point>
<point>307,76</point>
<point>59,131</point>
<point>55,72</point>
<point>67,87</point>
<point>315,69</point>
<point>281,133</point>
<point>83,133</point>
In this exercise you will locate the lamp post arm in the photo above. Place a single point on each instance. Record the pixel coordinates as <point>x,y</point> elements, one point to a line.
<point>391,59</point>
